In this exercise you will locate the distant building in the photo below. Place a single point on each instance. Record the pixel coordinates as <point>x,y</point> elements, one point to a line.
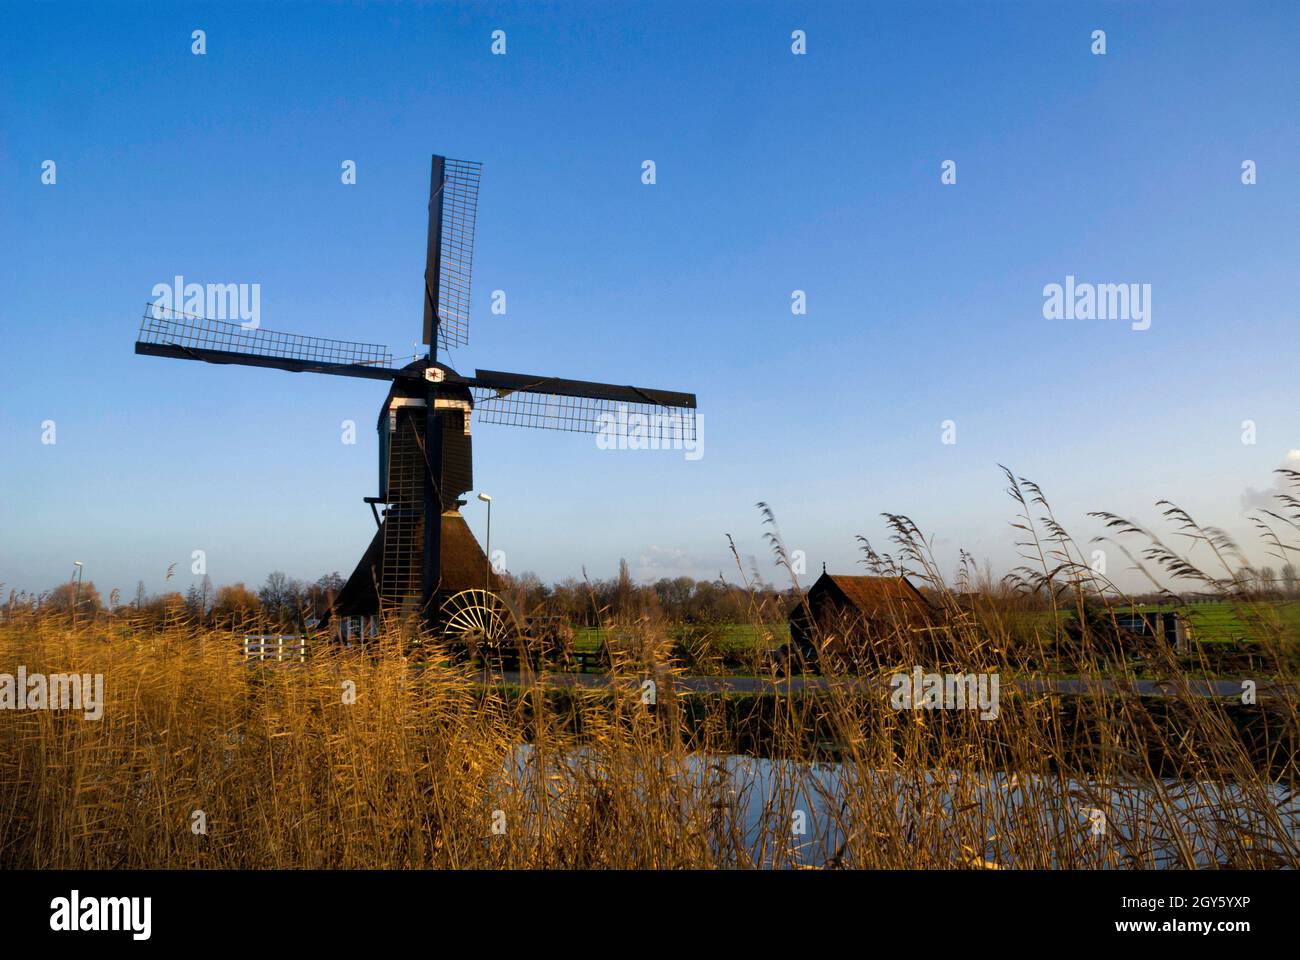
<point>854,619</point>
<point>1169,625</point>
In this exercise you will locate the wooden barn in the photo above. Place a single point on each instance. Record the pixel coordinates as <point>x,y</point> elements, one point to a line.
<point>852,619</point>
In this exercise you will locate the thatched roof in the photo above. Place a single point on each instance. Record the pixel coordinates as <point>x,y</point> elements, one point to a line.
<point>871,596</point>
<point>464,564</point>
<point>871,592</point>
<point>464,567</point>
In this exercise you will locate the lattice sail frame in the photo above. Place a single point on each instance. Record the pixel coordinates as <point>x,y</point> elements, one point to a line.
<point>166,326</point>
<point>660,426</point>
<point>459,209</point>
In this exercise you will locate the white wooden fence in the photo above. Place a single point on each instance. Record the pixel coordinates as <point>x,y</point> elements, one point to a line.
<point>281,648</point>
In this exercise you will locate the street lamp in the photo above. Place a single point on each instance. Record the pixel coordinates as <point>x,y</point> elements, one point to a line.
<point>77,599</point>
<point>487,498</point>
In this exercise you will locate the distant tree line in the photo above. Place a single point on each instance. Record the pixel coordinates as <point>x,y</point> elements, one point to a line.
<point>1263,583</point>
<point>281,600</point>
<point>284,601</point>
<point>676,599</point>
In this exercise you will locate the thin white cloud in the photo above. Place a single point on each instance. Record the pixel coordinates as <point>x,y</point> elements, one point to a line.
<point>1266,499</point>
<point>657,562</point>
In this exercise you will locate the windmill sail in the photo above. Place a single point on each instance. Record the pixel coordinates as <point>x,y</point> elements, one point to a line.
<point>449,256</point>
<point>582,406</point>
<point>165,332</point>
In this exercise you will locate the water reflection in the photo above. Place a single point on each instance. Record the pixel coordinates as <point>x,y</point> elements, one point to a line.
<point>786,814</point>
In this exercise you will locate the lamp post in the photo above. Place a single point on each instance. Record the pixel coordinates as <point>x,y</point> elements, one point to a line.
<point>77,597</point>
<point>486,498</point>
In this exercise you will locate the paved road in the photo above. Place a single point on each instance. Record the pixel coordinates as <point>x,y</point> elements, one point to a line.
<point>1143,688</point>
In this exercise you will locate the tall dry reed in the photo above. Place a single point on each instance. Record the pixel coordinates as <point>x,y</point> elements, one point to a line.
<point>361,757</point>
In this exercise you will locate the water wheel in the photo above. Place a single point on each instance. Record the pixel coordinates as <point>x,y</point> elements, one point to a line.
<point>481,623</point>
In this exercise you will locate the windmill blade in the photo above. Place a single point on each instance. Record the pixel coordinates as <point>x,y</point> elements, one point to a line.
<point>582,406</point>
<point>449,257</point>
<point>169,333</point>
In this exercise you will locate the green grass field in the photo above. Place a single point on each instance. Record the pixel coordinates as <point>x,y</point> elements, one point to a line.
<point>725,636</point>
<point>1227,622</point>
<point>731,646</point>
<point>1217,622</point>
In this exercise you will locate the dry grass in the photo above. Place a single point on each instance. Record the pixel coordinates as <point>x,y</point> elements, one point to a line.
<point>428,769</point>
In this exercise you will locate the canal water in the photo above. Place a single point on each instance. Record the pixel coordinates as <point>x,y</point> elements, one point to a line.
<point>787,814</point>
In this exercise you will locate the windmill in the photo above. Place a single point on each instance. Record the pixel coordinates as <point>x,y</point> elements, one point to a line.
<point>423,561</point>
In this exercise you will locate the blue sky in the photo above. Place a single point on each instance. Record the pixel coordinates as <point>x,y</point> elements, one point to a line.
<point>775,172</point>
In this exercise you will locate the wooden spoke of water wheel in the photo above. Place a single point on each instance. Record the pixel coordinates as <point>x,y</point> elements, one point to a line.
<point>479,620</point>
